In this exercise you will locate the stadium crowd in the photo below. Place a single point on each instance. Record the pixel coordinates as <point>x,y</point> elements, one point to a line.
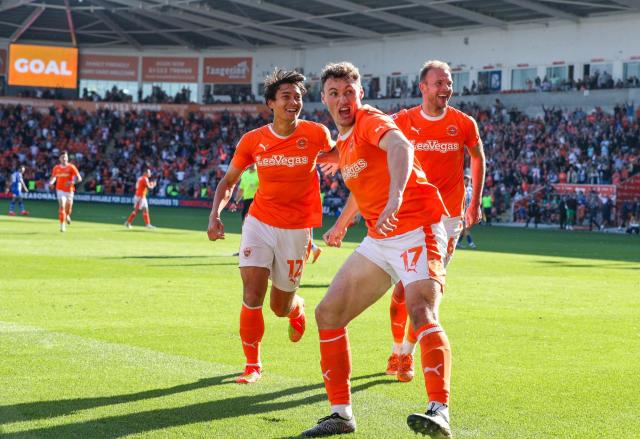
<point>525,155</point>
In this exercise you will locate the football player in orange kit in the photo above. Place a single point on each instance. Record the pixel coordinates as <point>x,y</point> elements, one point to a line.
<point>406,242</point>
<point>440,134</point>
<point>277,230</point>
<point>65,176</point>
<point>140,200</point>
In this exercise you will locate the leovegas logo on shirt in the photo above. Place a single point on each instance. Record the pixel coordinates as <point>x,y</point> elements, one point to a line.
<point>434,145</point>
<point>354,169</point>
<point>43,66</point>
<point>282,160</point>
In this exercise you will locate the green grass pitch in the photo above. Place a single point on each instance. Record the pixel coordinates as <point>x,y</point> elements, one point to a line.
<point>107,332</point>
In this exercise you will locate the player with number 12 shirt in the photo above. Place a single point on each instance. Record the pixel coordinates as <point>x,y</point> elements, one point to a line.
<point>277,230</point>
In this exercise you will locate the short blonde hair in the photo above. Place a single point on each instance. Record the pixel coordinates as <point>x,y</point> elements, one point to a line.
<point>433,64</point>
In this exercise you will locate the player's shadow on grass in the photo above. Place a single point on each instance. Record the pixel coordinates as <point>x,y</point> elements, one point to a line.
<point>314,286</point>
<point>160,257</point>
<point>193,265</point>
<point>44,409</point>
<point>608,266</point>
<point>135,423</point>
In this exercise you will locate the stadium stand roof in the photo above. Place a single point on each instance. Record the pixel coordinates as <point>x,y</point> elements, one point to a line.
<point>252,24</point>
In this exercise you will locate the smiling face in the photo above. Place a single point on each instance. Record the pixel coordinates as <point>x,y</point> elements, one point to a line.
<point>343,98</point>
<point>287,104</point>
<point>436,88</point>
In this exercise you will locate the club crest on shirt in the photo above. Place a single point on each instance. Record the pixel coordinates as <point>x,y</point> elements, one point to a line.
<point>452,130</point>
<point>302,143</point>
<point>247,252</point>
<point>351,145</point>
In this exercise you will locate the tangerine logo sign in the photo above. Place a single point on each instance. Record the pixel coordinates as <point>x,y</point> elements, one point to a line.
<point>43,66</point>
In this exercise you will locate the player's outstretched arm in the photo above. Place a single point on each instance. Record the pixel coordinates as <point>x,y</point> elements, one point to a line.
<point>329,162</point>
<point>329,157</point>
<point>333,237</point>
<point>215,230</point>
<point>473,214</point>
<point>400,163</point>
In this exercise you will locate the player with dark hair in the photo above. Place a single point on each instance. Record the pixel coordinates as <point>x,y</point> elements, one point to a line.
<point>17,186</point>
<point>406,242</point>
<point>140,201</point>
<point>277,230</point>
<point>65,176</point>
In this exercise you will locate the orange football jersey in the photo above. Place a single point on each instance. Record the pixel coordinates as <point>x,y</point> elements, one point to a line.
<point>364,169</point>
<point>64,177</point>
<point>142,185</point>
<point>288,193</point>
<point>439,146</point>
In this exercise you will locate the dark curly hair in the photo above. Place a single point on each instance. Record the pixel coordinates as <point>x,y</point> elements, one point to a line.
<point>279,77</point>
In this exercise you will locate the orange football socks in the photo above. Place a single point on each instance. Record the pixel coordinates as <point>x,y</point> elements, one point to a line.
<point>251,332</point>
<point>436,361</point>
<point>335,361</point>
<point>398,314</point>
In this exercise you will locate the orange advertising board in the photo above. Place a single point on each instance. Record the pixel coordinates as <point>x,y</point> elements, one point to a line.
<point>109,67</point>
<point>227,70</point>
<point>169,69</point>
<point>3,61</point>
<point>43,66</point>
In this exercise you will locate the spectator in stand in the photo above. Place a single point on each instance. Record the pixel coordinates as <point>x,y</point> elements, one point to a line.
<point>110,148</point>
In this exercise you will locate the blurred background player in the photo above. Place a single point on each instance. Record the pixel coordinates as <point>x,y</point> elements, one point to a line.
<point>17,186</point>
<point>440,134</point>
<point>406,241</point>
<point>247,189</point>
<point>245,193</point>
<point>315,250</point>
<point>140,200</point>
<point>466,231</point>
<point>65,176</point>
<point>276,232</point>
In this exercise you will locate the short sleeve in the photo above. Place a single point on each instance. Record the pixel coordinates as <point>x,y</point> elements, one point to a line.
<point>472,134</point>
<point>243,156</point>
<point>400,118</point>
<point>326,143</point>
<point>374,124</point>
<point>75,171</point>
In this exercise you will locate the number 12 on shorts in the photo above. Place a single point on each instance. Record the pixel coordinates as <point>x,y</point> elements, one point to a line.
<point>410,258</point>
<point>295,269</point>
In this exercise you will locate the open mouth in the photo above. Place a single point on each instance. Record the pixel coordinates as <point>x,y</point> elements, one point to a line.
<point>344,112</point>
